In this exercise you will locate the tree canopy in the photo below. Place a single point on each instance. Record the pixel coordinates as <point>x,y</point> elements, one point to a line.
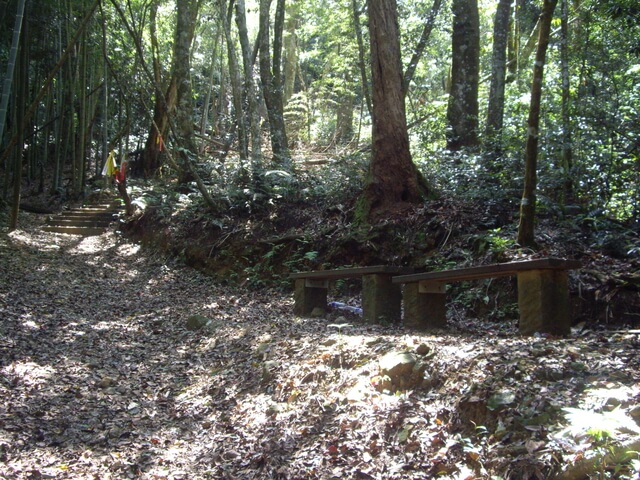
<point>299,73</point>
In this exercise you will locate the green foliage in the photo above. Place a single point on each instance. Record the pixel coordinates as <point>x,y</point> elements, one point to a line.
<point>495,243</point>
<point>602,430</point>
<point>604,83</point>
<point>278,256</point>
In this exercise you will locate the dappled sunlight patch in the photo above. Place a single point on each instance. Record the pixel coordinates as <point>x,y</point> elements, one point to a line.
<point>48,243</point>
<point>116,325</point>
<point>29,373</point>
<point>128,250</point>
<point>93,245</point>
<point>611,394</point>
<point>29,323</point>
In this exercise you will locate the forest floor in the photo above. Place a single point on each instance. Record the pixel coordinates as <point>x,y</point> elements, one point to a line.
<point>104,374</point>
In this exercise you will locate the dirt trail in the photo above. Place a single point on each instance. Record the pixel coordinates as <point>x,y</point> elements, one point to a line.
<point>99,378</point>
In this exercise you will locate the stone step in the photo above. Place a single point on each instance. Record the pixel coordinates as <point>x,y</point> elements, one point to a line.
<point>83,231</point>
<point>86,221</point>
<point>79,222</point>
<point>93,209</point>
<point>87,216</point>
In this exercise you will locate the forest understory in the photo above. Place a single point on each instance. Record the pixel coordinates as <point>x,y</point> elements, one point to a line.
<point>119,361</point>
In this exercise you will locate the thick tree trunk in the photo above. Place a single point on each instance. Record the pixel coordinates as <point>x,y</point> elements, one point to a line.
<point>164,102</point>
<point>394,181</point>
<point>151,158</point>
<point>177,97</point>
<point>185,29</point>
<point>462,111</point>
<point>526,229</point>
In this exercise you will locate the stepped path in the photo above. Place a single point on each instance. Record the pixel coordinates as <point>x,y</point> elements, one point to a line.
<point>85,221</point>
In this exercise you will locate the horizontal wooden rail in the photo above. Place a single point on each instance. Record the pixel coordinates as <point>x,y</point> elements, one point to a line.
<point>490,271</point>
<point>351,272</point>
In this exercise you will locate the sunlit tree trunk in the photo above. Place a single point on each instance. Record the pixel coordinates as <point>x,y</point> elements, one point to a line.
<point>526,228</point>
<point>250,87</point>
<point>393,182</point>
<point>462,111</point>
<point>362,64</point>
<point>290,47</point>
<point>226,11</point>
<point>271,79</point>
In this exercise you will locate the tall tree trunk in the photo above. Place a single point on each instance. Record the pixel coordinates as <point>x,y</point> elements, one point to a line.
<point>344,117</point>
<point>21,105</point>
<point>13,55</point>
<point>164,104</point>
<point>362,65</point>
<point>462,111</point>
<point>105,100</point>
<point>271,79</point>
<point>226,11</point>
<point>526,228</point>
<point>290,46</point>
<point>208,104</point>
<point>495,110</point>
<point>250,88</point>
<point>185,30</point>
<point>422,44</point>
<point>59,128</point>
<point>567,142</point>
<point>393,182</point>
<point>78,160</point>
